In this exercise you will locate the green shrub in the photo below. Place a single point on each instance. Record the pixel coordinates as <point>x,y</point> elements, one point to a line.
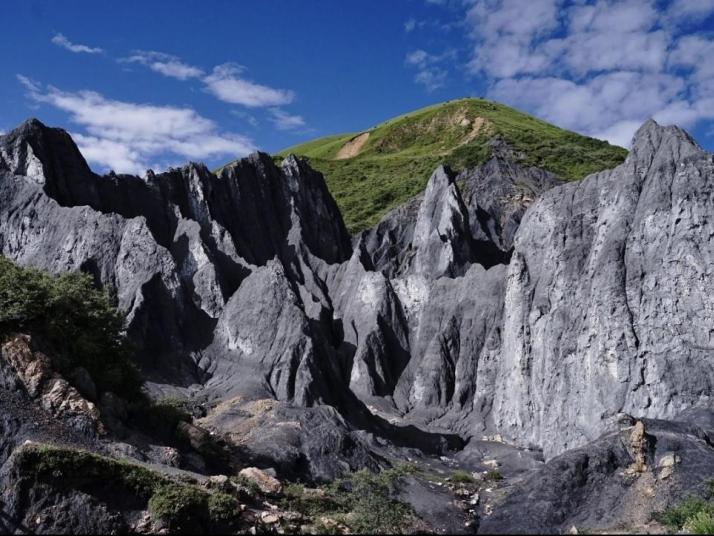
<point>677,516</point>
<point>374,510</point>
<point>363,501</point>
<point>185,505</point>
<point>172,501</point>
<point>493,475</point>
<point>165,414</point>
<point>329,500</point>
<point>700,523</point>
<point>462,477</point>
<point>77,320</point>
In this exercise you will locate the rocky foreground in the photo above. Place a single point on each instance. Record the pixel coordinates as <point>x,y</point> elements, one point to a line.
<point>512,353</point>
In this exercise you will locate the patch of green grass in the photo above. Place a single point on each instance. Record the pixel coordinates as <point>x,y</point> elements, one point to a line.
<point>397,160</point>
<point>462,477</point>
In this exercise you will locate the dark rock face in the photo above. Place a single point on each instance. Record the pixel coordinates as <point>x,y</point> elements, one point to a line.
<point>596,487</point>
<point>498,302</point>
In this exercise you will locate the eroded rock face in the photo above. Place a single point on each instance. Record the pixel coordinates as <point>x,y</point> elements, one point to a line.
<point>607,307</point>
<point>498,302</point>
<point>594,488</point>
<point>51,391</point>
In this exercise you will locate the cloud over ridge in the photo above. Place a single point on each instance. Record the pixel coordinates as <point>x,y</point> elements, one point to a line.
<point>127,136</point>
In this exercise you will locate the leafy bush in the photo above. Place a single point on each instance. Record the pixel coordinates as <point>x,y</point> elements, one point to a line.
<point>700,523</point>
<point>363,501</point>
<point>677,516</point>
<point>374,510</point>
<point>493,475</point>
<point>78,321</point>
<point>462,477</point>
<point>694,514</point>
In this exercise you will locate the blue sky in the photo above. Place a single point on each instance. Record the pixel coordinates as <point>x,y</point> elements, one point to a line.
<point>141,84</point>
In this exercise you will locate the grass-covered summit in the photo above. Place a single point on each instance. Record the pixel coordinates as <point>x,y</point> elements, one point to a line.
<point>371,172</point>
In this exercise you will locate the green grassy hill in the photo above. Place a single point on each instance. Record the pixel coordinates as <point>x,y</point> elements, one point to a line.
<point>391,162</point>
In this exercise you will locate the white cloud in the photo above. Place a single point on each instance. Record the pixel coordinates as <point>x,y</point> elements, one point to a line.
<point>410,25</point>
<point>687,10</point>
<point>430,72</point>
<point>285,121</point>
<point>165,64</point>
<point>61,41</point>
<point>226,84</point>
<point>609,106</point>
<point>125,136</point>
<point>600,67</point>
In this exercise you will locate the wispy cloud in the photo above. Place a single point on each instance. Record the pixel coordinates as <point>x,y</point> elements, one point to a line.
<point>226,83</point>
<point>285,121</point>
<point>410,24</point>
<point>61,41</point>
<point>126,136</point>
<point>165,64</point>
<point>430,71</point>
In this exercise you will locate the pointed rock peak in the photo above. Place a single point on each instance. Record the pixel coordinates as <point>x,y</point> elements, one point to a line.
<point>653,141</point>
<point>46,155</point>
<point>442,238</point>
<point>361,255</point>
<point>291,161</point>
<point>441,178</point>
<point>261,162</point>
<point>28,127</point>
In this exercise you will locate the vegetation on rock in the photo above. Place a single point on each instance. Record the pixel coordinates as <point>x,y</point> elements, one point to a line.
<point>363,501</point>
<point>181,505</point>
<point>694,514</point>
<point>79,322</point>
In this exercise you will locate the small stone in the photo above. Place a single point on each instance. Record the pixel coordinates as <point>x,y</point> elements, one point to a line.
<point>269,518</point>
<point>669,460</point>
<point>573,530</point>
<point>266,483</point>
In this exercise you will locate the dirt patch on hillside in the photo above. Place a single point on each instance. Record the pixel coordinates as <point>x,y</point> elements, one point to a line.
<point>352,147</point>
<point>479,125</point>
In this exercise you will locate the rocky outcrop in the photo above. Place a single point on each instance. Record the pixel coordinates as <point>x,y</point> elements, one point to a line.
<point>32,369</point>
<point>592,487</point>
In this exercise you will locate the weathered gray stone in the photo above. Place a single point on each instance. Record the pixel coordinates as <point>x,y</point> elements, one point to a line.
<point>498,303</point>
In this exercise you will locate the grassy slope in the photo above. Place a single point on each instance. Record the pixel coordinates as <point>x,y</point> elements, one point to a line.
<point>400,154</point>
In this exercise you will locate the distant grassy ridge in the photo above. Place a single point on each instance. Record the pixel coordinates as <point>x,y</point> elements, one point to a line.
<point>396,161</point>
